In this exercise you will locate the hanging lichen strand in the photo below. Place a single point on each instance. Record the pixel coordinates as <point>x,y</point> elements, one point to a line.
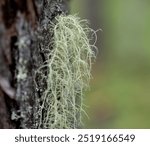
<point>69,64</point>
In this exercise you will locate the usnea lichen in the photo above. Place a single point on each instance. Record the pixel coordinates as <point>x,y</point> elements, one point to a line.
<point>68,66</point>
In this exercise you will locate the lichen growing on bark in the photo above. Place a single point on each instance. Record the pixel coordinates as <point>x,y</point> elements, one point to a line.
<point>68,64</point>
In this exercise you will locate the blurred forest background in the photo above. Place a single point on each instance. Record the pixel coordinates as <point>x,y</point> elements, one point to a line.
<point>120,89</point>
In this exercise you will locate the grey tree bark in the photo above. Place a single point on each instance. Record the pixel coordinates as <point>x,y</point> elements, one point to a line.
<point>23,37</point>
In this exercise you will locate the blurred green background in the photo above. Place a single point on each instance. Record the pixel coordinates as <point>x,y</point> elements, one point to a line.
<point>120,89</point>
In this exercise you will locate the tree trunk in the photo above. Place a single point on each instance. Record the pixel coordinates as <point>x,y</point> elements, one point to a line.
<point>23,35</point>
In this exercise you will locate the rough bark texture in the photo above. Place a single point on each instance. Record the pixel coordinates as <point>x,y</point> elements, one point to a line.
<point>23,40</point>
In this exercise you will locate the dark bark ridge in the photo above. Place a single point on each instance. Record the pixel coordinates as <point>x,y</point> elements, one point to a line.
<point>51,8</point>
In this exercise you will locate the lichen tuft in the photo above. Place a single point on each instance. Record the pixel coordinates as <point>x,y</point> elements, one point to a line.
<point>68,64</point>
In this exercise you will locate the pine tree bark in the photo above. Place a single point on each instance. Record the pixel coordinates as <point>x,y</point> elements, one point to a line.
<point>23,34</point>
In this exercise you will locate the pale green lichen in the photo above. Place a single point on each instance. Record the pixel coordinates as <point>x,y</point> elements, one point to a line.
<point>22,73</point>
<point>69,66</point>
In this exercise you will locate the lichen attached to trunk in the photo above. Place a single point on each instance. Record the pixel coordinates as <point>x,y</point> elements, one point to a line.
<point>68,65</point>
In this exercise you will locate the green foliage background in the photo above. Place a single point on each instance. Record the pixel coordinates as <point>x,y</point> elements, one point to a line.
<point>120,89</point>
